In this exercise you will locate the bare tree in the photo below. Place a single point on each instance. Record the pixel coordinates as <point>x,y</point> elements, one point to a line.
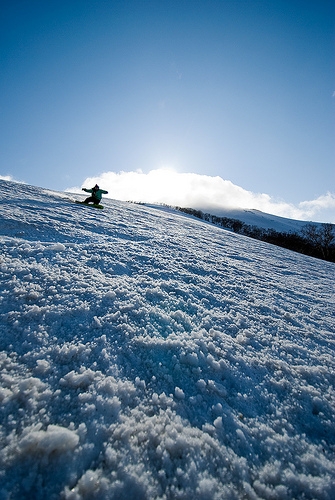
<point>320,236</point>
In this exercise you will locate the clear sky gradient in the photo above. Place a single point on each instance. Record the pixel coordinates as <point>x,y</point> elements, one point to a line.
<point>240,89</point>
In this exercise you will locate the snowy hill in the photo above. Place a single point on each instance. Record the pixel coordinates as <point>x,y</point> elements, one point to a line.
<point>148,355</point>
<point>253,217</point>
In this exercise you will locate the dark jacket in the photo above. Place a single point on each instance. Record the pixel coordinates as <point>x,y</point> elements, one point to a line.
<point>97,193</point>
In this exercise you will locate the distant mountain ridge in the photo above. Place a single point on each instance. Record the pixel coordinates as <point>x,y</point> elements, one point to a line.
<point>254,217</point>
<point>310,238</point>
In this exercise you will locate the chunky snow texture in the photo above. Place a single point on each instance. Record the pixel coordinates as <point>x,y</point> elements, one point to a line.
<point>149,355</point>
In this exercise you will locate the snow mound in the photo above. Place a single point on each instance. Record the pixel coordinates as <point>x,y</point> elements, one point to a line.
<point>55,439</point>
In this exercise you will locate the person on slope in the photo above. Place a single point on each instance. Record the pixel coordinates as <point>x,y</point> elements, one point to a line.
<point>96,195</point>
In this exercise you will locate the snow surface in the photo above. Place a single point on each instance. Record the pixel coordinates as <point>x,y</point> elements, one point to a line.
<point>146,354</point>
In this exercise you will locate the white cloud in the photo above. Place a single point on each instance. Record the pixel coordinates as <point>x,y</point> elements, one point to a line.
<point>6,178</point>
<point>10,178</point>
<point>324,202</point>
<point>204,192</point>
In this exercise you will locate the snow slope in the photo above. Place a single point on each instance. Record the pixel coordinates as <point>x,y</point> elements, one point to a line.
<point>149,355</point>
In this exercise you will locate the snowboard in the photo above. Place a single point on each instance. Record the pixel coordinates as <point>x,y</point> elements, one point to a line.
<point>89,205</point>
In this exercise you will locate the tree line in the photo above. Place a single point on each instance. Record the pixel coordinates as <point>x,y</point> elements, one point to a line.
<point>316,240</point>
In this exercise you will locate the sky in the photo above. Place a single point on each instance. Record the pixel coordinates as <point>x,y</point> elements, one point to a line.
<point>147,355</point>
<point>238,92</point>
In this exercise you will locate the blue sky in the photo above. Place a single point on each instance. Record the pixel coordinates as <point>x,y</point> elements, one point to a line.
<point>240,90</point>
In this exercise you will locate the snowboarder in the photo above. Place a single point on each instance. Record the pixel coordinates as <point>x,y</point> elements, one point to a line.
<point>96,196</point>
